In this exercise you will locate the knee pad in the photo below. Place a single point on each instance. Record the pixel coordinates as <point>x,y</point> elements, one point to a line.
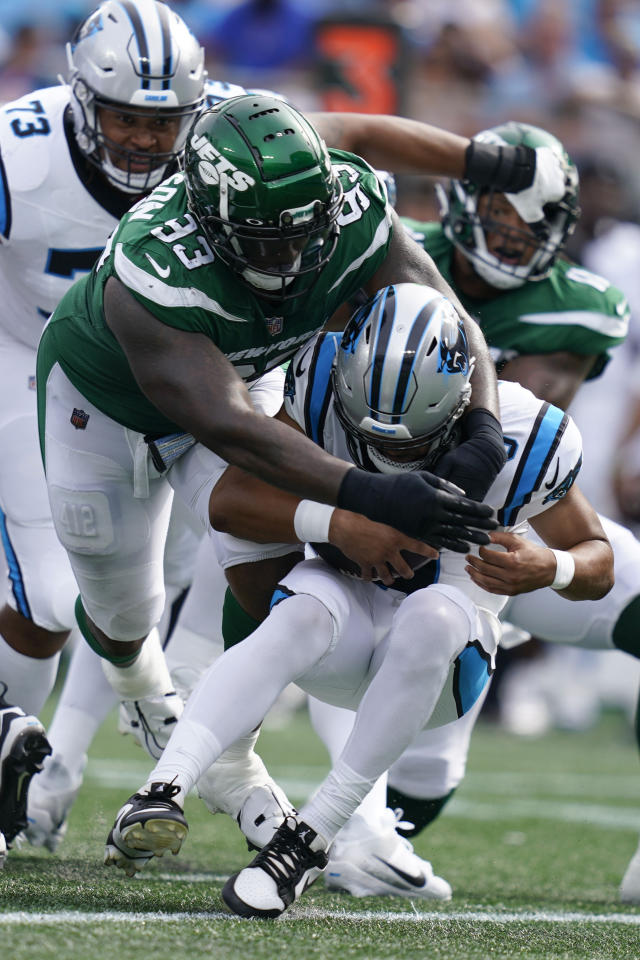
<point>429,628</point>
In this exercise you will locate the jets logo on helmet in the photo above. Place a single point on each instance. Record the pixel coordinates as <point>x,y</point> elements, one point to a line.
<point>471,214</point>
<point>401,378</point>
<point>214,167</point>
<point>268,199</point>
<point>134,59</point>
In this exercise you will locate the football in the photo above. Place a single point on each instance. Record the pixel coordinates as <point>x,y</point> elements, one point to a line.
<point>337,559</point>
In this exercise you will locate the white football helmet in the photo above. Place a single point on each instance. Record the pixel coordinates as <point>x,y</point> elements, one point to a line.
<point>126,56</point>
<point>401,378</point>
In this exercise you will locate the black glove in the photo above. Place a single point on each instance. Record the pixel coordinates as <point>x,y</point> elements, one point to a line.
<point>418,504</point>
<point>476,462</point>
<point>507,168</point>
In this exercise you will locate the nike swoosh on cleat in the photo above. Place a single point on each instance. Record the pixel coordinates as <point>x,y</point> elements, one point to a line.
<point>161,271</point>
<point>419,881</point>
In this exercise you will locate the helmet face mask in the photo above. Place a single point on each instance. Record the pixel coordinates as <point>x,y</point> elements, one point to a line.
<point>260,182</point>
<point>525,252</point>
<point>401,379</point>
<point>137,63</point>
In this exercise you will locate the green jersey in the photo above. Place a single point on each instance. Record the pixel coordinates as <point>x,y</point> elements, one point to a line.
<point>571,310</point>
<point>159,252</point>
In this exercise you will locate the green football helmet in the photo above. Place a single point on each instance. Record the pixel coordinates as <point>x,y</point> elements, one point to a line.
<point>467,226</point>
<point>259,180</point>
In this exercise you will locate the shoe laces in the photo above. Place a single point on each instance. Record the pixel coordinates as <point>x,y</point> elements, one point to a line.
<point>400,823</point>
<point>287,856</point>
<point>161,793</point>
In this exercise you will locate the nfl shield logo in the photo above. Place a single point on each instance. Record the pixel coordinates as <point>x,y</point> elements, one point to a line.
<point>274,325</point>
<point>79,419</point>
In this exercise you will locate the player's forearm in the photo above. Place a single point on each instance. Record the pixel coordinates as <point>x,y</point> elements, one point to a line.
<point>245,507</point>
<point>395,143</point>
<point>276,454</point>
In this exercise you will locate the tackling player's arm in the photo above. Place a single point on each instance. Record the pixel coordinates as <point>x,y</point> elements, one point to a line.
<point>394,143</point>
<point>409,146</point>
<point>187,378</point>
<point>246,507</point>
<point>190,380</point>
<point>571,525</point>
<point>554,377</point>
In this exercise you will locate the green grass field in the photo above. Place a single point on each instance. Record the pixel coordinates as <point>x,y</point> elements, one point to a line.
<point>534,843</point>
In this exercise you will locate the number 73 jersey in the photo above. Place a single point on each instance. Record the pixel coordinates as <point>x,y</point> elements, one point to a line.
<point>51,227</point>
<point>543,445</point>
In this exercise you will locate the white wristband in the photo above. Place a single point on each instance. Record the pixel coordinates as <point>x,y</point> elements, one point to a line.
<point>311,521</point>
<point>565,569</point>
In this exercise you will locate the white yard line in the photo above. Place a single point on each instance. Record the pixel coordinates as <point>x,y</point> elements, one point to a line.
<point>79,918</point>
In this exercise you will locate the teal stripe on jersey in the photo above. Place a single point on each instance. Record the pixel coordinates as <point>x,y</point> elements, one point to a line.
<point>535,456</point>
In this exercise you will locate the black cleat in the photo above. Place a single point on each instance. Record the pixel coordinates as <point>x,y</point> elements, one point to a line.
<point>146,826</point>
<point>23,748</point>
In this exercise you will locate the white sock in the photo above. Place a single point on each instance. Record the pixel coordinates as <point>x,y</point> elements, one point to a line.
<point>332,724</point>
<point>188,656</point>
<point>147,676</point>
<point>85,701</point>
<point>196,640</point>
<point>29,680</point>
<point>337,799</point>
<point>190,751</point>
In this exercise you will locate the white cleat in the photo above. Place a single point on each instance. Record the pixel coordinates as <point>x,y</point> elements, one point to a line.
<point>146,826</point>
<point>151,720</point>
<point>51,797</point>
<point>241,787</point>
<point>3,850</point>
<point>279,874</point>
<point>630,886</point>
<point>369,862</point>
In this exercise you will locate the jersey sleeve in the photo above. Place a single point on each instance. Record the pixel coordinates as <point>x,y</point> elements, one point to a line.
<point>547,466</point>
<point>307,389</point>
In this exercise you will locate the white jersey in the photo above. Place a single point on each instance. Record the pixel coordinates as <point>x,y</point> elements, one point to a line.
<point>51,228</point>
<point>544,455</point>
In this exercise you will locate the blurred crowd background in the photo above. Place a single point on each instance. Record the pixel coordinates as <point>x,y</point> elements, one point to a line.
<point>570,66</point>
